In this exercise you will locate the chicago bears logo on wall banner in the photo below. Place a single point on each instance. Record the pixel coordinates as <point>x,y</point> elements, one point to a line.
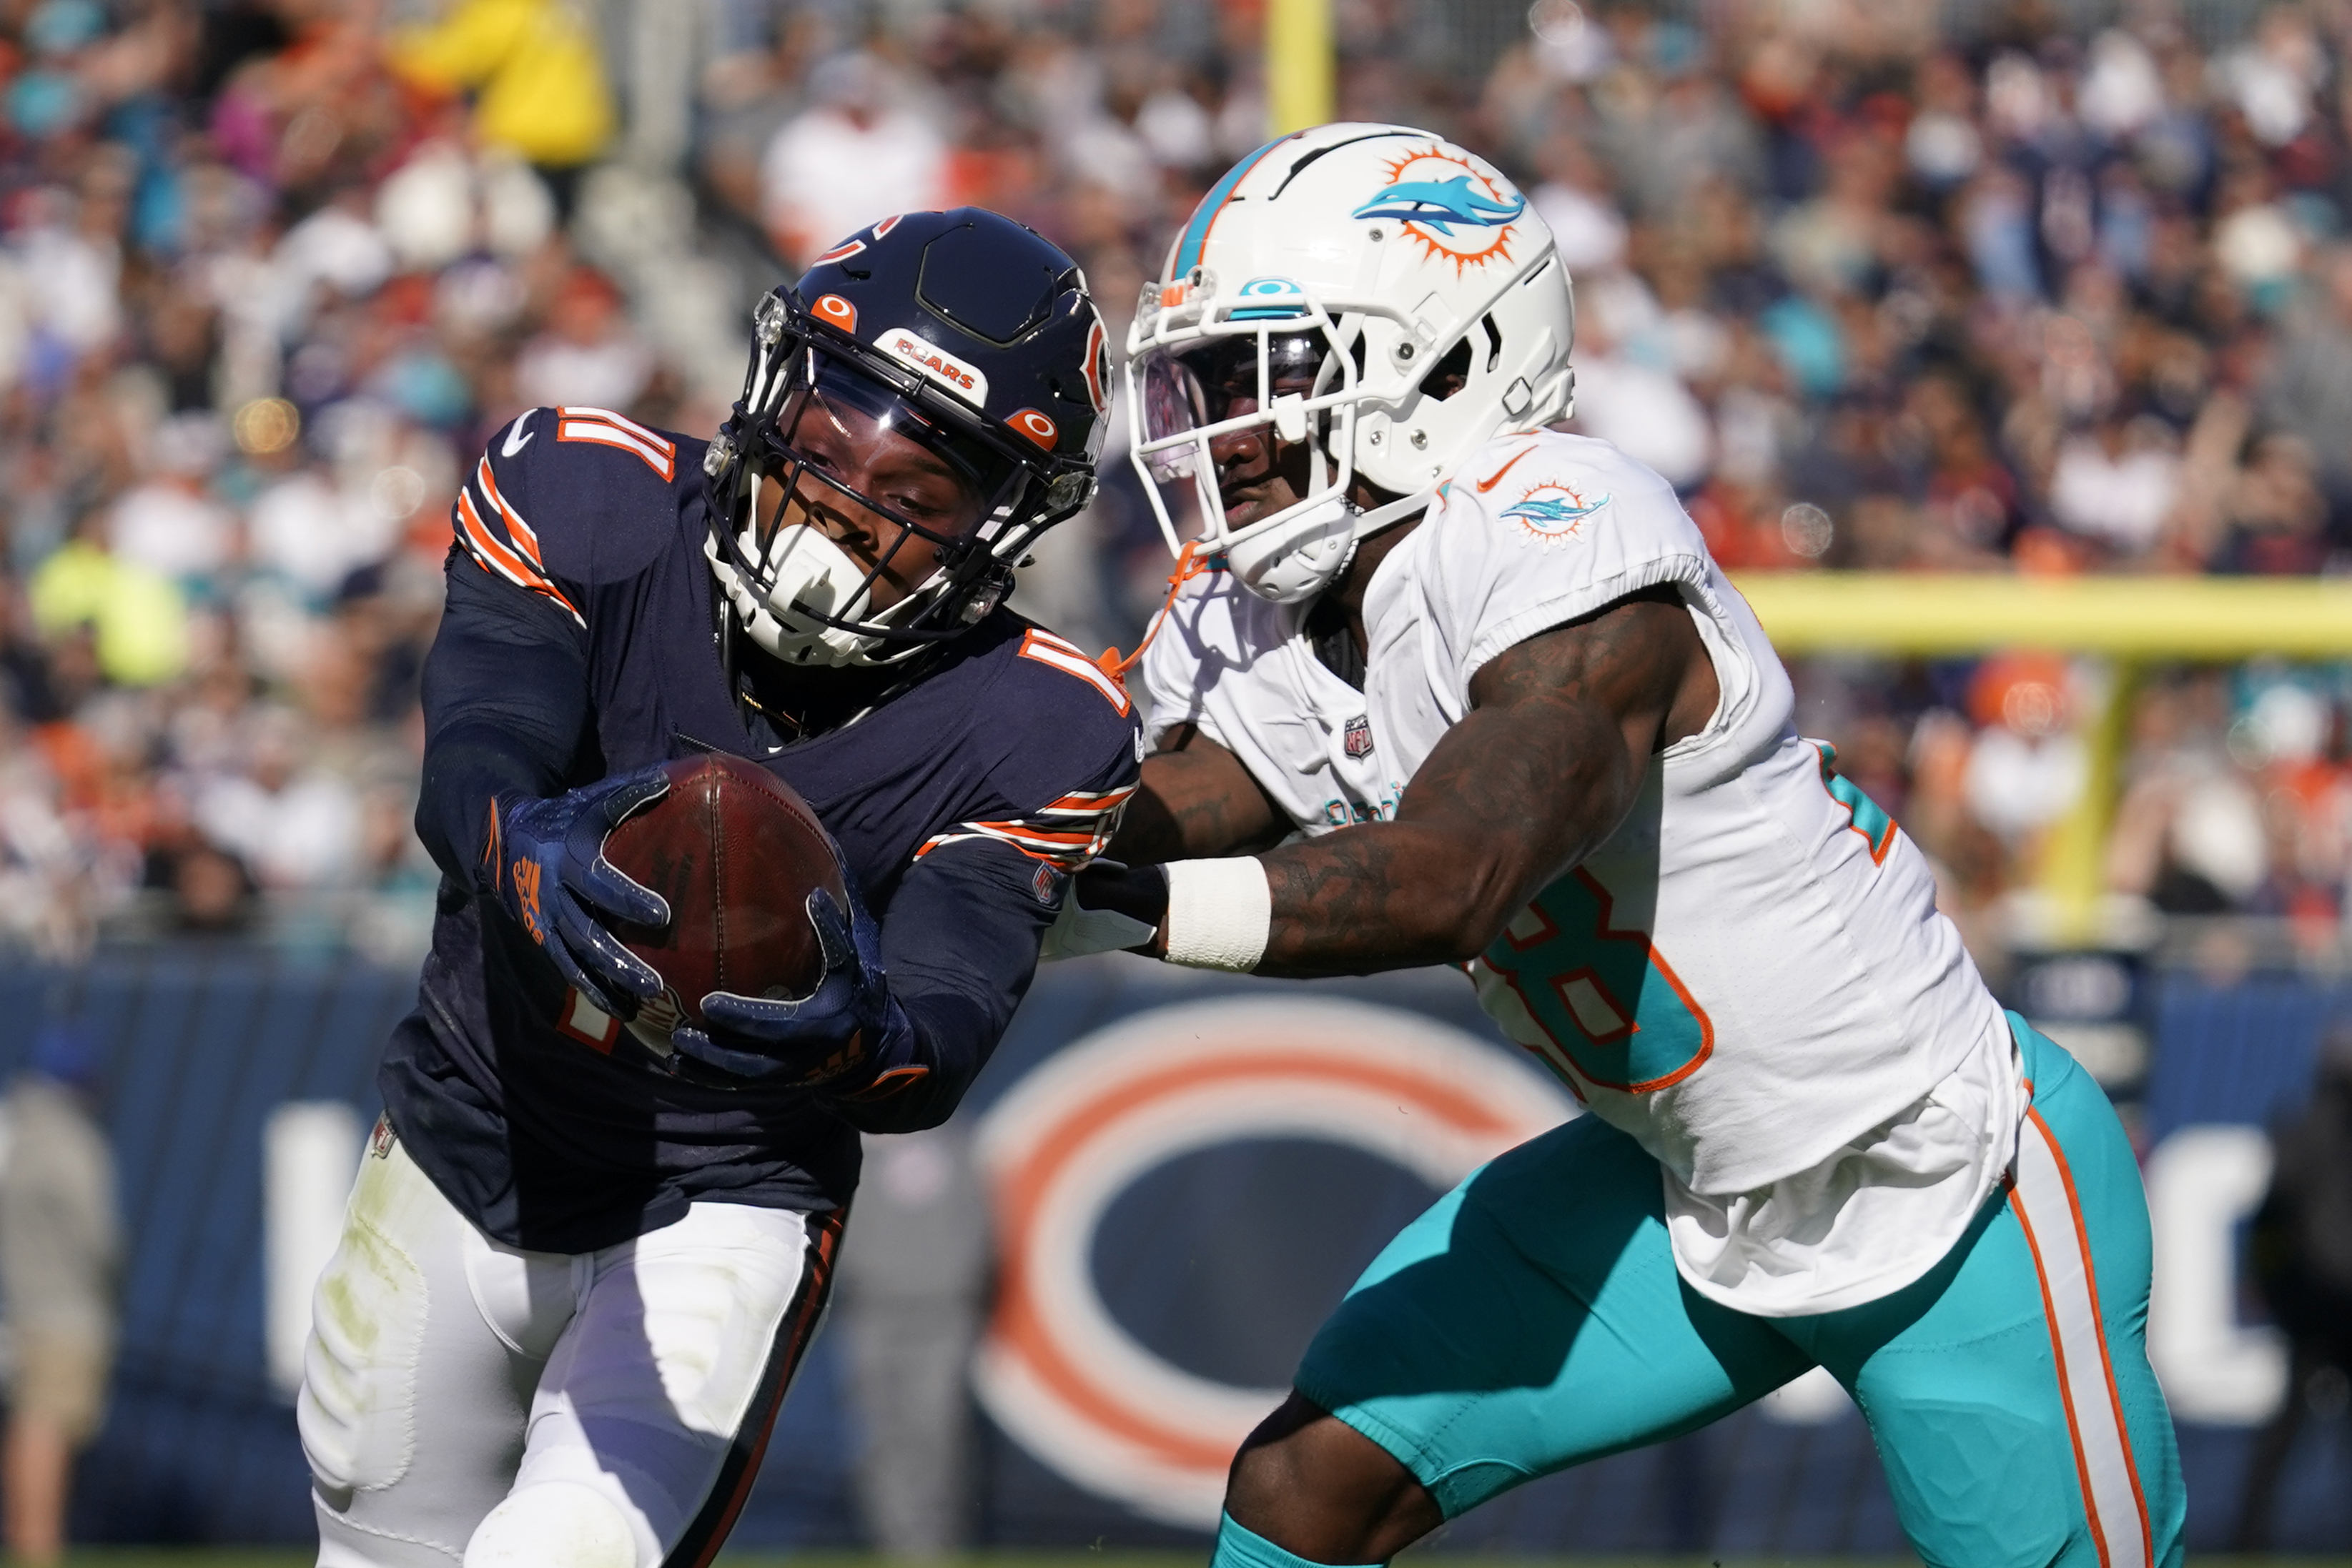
<point>1057,1372</point>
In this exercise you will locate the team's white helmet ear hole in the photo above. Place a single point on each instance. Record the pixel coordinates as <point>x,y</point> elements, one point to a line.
<point>1450,374</point>
<point>1432,290</point>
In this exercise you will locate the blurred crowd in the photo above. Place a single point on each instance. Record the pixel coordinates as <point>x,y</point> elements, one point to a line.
<point>272,273</point>
<point>2013,286</point>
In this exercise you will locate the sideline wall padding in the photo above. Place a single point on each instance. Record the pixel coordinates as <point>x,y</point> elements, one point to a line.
<point>202,1042</point>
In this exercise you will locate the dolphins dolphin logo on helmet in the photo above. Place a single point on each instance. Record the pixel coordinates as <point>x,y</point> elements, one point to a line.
<point>1374,297</point>
<point>1441,203</point>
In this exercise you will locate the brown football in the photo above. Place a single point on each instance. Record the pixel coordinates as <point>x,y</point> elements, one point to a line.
<point>735,852</point>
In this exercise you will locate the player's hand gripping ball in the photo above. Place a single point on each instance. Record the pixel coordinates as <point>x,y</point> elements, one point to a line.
<point>848,1038</point>
<point>770,967</point>
<point>548,871</point>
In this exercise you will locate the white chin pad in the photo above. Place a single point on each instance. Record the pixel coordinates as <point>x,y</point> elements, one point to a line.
<point>1295,558</point>
<point>811,573</point>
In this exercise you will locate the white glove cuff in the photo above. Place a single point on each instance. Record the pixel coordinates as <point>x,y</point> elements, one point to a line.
<point>1219,912</point>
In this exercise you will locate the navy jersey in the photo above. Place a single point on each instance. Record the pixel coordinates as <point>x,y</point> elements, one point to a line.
<point>580,641</point>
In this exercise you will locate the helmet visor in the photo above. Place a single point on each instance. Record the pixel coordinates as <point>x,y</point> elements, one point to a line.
<point>1201,402</point>
<point>847,427</point>
<point>903,492</point>
<point>1196,385</point>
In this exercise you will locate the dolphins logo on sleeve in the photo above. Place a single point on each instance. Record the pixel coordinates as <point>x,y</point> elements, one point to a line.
<point>1550,511</point>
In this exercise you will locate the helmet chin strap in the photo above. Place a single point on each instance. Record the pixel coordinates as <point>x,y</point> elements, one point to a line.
<point>811,573</point>
<point>1388,512</point>
<point>1383,516</point>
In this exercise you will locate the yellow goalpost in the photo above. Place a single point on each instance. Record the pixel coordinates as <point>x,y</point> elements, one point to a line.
<point>1298,65</point>
<point>1920,614</point>
<point>2130,622</point>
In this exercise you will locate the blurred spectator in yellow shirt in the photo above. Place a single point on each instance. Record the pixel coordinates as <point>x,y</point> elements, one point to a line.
<point>536,73</point>
<point>139,616</point>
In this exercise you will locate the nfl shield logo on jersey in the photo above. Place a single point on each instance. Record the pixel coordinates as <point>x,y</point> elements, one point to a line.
<point>1357,738</point>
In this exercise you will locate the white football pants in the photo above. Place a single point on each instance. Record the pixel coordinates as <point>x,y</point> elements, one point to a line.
<point>466,1402</point>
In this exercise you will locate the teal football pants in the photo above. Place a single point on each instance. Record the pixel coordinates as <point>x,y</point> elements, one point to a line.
<point>1533,1320</point>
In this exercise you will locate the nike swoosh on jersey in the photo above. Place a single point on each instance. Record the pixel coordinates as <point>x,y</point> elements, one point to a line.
<point>1495,478</point>
<point>515,439</point>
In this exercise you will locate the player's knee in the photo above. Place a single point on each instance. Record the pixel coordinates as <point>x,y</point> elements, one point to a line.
<point>1303,1447</point>
<point>554,1524</point>
<point>1272,1481</point>
<point>1320,1489</point>
<point>367,1322</point>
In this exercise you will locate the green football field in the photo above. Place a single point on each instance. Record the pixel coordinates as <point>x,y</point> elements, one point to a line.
<point>133,1557</point>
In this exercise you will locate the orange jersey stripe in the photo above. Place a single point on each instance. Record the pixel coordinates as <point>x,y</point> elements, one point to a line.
<point>485,547</point>
<point>526,539</point>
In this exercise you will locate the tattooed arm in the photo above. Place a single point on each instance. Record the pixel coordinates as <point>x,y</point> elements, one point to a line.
<point>1540,771</point>
<point>1197,799</point>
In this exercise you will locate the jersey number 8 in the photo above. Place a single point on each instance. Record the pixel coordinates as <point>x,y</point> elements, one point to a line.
<point>1606,998</point>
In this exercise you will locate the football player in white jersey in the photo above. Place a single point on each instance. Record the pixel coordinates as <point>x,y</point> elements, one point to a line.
<point>1440,684</point>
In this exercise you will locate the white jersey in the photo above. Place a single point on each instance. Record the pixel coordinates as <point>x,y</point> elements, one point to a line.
<point>1749,976</point>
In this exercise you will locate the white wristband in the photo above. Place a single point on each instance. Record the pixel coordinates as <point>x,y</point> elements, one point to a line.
<point>1219,912</point>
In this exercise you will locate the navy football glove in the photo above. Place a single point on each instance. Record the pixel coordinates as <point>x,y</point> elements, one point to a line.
<point>848,1038</point>
<point>548,873</point>
<point>1108,908</point>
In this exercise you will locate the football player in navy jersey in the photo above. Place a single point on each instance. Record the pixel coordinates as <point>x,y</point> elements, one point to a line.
<point>587,1245</point>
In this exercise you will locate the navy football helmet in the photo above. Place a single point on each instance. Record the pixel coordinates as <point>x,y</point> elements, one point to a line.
<point>962,333</point>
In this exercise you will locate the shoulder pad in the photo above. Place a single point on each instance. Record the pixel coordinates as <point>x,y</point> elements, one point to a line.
<point>1077,720</point>
<point>568,497</point>
<point>1071,757</point>
<point>1550,489</point>
<point>1057,653</point>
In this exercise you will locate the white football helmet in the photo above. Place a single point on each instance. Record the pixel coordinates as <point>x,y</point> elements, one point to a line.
<point>1316,290</point>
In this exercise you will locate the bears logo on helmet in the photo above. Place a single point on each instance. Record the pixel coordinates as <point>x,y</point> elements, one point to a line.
<point>1098,372</point>
<point>1035,426</point>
